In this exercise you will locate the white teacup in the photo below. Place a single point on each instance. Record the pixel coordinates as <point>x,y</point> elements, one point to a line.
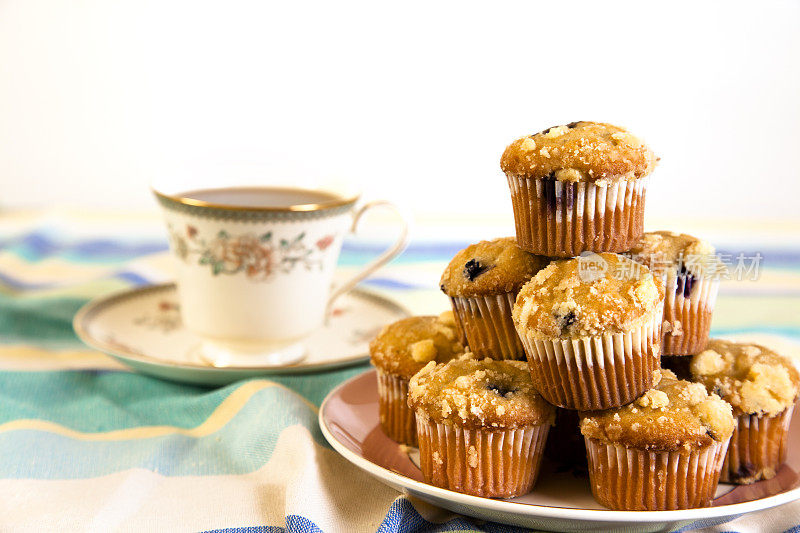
<point>255,266</point>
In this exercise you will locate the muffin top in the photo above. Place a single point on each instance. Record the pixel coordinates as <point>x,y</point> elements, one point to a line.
<point>580,151</point>
<point>753,379</point>
<point>587,295</point>
<point>674,415</point>
<point>490,267</point>
<point>404,347</point>
<point>478,394</point>
<point>663,250</point>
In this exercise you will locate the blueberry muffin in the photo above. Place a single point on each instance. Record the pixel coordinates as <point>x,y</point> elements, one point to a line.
<point>762,387</point>
<point>482,281</point>
<point>482,427</point>
<point>401,350</point>
<point>662,452</point>
<point>691,271</point>
<point>579,187</point>
<point>591,328</point>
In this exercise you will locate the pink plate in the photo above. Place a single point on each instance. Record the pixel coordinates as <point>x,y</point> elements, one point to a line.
<point>560,501</point>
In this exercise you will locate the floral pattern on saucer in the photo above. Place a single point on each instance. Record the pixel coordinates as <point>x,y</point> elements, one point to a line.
<point>165,318</point>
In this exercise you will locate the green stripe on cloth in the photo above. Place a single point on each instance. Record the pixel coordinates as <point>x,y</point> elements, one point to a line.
<point>104,401</point>
<point>45,321</point>
<point>170,429</point>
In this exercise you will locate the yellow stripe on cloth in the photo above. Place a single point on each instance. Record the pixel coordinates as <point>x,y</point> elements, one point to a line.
<point>30,358</point>
<point>223,414</point>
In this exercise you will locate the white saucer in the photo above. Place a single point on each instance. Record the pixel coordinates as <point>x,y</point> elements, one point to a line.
<point>561,499</point>
<point>142,328</point>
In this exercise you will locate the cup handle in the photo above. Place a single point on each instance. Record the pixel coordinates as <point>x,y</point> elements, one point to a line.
<point>390,253</point>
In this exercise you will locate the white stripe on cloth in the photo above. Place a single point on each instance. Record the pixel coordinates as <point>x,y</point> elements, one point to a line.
<point>301,478</point>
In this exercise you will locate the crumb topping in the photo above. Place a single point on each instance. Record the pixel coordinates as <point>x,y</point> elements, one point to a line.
<point>448,318</point>
<point>579,151</point>
<point>472,456</point>
<point>587,295</point>
<point>653,398</point>
<point>490,267</point>
<point>478,393</point>
<point>753,379</point>
<point>423,351</point>
<point>674,415</point>
<point>404,347</point>
<point>664,251</point>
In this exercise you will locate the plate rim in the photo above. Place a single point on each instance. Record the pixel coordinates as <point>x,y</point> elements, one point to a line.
<point>543,511</point>
<point>98,303</point>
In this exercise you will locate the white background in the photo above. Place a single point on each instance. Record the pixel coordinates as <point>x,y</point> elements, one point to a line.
<point>413,101</point>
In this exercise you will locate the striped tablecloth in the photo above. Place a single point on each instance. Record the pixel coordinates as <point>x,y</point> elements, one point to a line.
<point>87,445</point>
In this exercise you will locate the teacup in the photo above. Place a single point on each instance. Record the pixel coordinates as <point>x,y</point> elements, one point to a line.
<point>254,266</point>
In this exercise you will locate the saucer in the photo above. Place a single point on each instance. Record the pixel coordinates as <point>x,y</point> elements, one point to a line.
<point>142,329</point>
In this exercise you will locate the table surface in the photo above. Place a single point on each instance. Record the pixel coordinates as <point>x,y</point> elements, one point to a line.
<point>85,444</point>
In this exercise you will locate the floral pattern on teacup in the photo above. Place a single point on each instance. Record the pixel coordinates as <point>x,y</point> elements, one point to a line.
<point>259,257</point>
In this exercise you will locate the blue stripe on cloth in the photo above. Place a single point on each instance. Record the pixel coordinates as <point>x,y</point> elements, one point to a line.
<point>355,253</point>
<point>708,522</point>
<point>132,278</point>
<point>388,283</point>
<point>104,250</point>
<point>404,518</point>
<point>771,257</point>
<point>294,524</point>
<point>249,529</point>
<point>299,524</point>
<point>429,251</point>
<point>19,285</point>
<point>38,245</point>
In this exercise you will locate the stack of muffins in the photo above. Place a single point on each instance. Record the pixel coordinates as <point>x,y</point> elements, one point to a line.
<point>570,323</point>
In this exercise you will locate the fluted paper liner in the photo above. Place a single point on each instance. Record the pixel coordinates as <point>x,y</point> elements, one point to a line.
<point>462,337</point>
<point>396,417</point>
<point>488,325</point>
<point>563,219</point>
<point>758,447</point>
<point>628,479</point>
<point>596,372</point>
<point>481,462</point>
<point>689,318</point>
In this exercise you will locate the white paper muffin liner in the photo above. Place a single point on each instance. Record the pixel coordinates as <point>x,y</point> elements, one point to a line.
<point>563,219</point>
<point>687,320</point>
<point>758,447</point>
<point>628,479</point>
<point>481,462</point>
<point>599,371</point>
<point>488,325</point>
<point>396,417</point>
